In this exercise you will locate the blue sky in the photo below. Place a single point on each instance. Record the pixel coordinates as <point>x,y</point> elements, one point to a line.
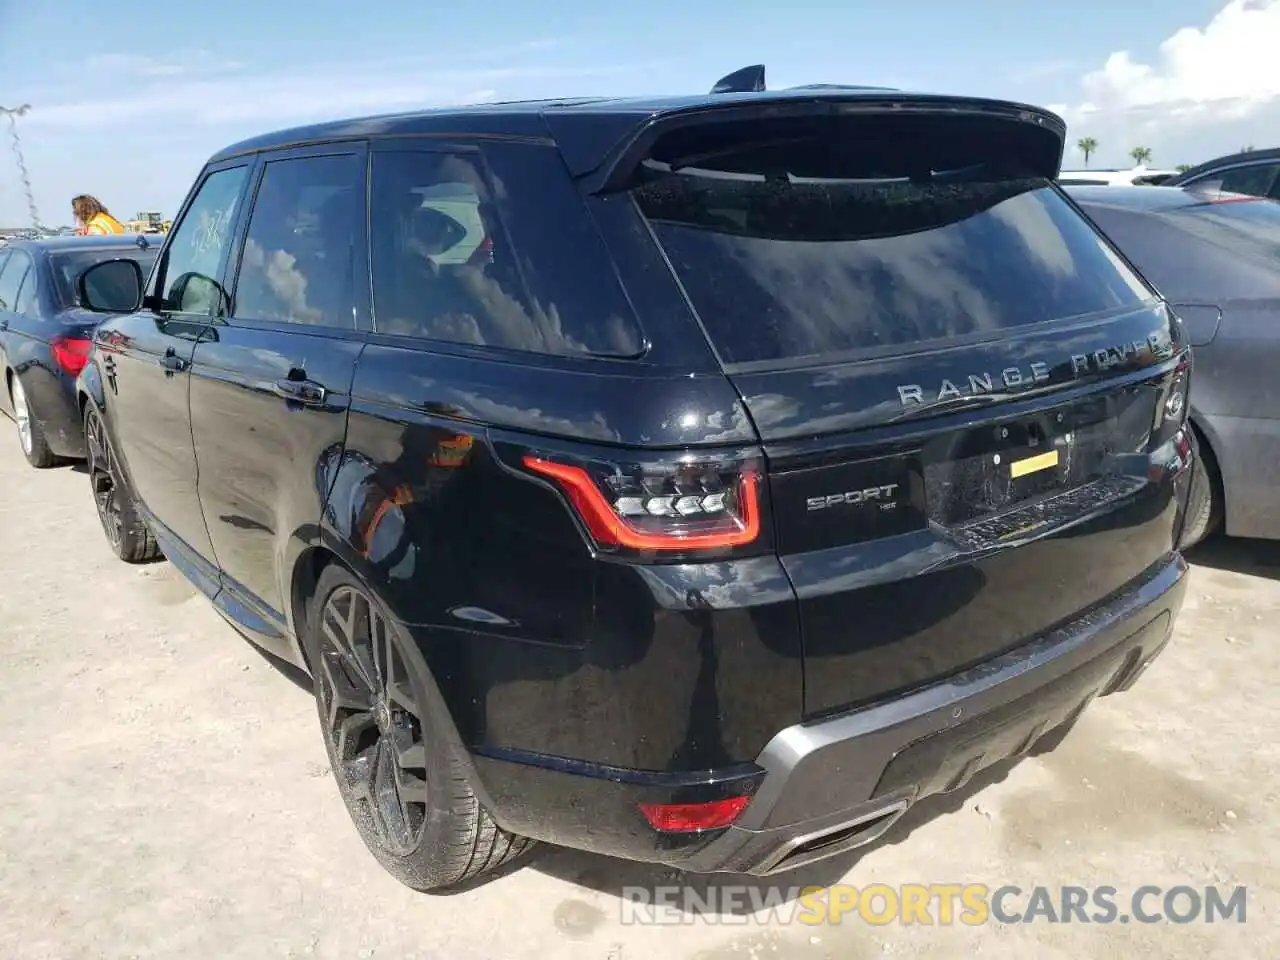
<point>162,86</point>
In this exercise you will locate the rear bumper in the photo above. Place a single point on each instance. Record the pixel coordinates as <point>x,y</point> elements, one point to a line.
<point>52,398</point>
<point>823,788</point>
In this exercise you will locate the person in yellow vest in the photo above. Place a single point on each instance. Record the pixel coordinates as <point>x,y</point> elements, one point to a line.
<point>93,218</point>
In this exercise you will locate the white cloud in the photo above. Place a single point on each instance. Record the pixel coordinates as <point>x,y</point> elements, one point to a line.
<point>1210,89</point>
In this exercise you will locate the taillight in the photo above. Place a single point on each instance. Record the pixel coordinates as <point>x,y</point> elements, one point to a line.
<point>71,353</point>
<point>694,817</point>
<point>1174,403</point>
<point>677,507</point>
<point>1171,436</point>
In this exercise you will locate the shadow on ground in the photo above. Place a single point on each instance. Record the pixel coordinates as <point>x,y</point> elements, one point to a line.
<point>1258,558</point>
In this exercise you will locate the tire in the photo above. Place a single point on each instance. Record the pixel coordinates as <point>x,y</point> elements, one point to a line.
<point>398,773</point>
<point>30,434</point>
<point>127,533</point>
<point>1204,501</point>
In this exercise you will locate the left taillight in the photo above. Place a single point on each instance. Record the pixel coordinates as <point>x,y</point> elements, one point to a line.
<point>71,353</point>
<point>679,507</point>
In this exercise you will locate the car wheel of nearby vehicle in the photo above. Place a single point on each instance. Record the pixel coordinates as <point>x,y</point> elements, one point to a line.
<point>1204,507</point>
<point>128,534</point>
<point>402,783</point>
<point>30,434</point>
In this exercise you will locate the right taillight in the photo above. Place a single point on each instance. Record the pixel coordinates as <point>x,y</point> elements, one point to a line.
<point>1174,404</point>
<point>684,506</point>
<point>1171,438</point>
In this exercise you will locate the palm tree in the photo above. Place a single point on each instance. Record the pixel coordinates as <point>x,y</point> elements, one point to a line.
<point>1248,149</point>
<point>1183,167</point>
<point>1088,146</point>
<point>1140,155</point>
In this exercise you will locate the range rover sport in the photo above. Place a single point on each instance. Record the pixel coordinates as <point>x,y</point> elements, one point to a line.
<point>731,473</point>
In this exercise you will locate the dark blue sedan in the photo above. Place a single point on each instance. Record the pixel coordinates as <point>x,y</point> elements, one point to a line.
<point>45,336</point>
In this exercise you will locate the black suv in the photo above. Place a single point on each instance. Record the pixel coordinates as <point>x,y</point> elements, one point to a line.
<point>698,480</point>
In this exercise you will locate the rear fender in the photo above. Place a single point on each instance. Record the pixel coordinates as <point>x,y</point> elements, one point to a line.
<point>89,389</point>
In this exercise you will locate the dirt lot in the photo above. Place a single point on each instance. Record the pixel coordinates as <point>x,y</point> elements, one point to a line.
<point>163,793</point>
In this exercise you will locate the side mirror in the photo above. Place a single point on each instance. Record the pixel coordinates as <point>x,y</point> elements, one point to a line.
<point>196,293</point>
<point>112,286</point>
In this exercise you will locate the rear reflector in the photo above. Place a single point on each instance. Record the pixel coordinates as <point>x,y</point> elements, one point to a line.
<point>681,507</point>
<point>71,353</point>
<point>692,817</point>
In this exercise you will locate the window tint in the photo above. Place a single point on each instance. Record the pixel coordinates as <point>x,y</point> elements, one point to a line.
<point>781,267</point>
<point>511,263</point>
<point>28,301</point>
<point>67,267</point>
<point>1255,181</point>
<point>298,264</point>
<point>14,272</point>
<point>193,257</point>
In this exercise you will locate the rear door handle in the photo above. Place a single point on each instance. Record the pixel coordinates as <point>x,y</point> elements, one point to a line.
<point>171,361</point>
<point>301,391</point>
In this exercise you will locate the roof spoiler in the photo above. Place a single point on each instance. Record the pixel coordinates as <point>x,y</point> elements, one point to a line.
<point>1039,134</point>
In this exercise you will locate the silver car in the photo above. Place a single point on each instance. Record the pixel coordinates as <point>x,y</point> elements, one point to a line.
<point>1216,257</point>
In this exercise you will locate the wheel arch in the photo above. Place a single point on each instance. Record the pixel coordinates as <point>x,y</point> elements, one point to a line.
<point>308,571</point>
<point>1210,444</point>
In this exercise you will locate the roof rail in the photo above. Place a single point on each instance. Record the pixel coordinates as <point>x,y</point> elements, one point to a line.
<point>747,80</point>
<point>838,86</point>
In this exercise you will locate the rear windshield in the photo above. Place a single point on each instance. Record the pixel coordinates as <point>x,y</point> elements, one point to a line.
<point>68,266</point>
<point>782,267</point>
<point>1250,226</point>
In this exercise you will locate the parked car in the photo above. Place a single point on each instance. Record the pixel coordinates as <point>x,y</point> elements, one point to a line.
<point>45,335</point>
<point>789,457</point>
<point>1217,259</point>
<point>1254,173</point>
<point>1139,176</point>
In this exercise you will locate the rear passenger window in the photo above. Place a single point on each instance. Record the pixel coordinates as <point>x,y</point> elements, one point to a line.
<point>298,264</point>
<point>516,266</point>
<point>1254,181</point>
<point>15,271</point>
<point>28,303</point>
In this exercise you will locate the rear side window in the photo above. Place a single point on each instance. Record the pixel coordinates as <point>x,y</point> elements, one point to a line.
<point>781,267</point>
<point>495,253</point>
<point>1255,180</point>
<point>11,276</point>
<point>68,266</point>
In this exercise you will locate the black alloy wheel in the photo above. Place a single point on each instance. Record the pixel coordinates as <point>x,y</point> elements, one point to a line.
<point>102,478</point>
<point>372,722</point>
<point>130,538</point>
<point>401,769</point>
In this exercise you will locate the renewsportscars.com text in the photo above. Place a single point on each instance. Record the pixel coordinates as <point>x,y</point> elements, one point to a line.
<point>941,904</point>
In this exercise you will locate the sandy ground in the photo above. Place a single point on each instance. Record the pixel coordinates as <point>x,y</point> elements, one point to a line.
<point>164,793</point>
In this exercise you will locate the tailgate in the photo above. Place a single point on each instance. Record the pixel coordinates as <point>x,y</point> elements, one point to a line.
<point>962,389</point>
<point>926,545</point>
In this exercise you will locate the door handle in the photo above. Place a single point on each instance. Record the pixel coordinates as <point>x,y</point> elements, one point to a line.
<point>300,391</point>
<point>172,362</point>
